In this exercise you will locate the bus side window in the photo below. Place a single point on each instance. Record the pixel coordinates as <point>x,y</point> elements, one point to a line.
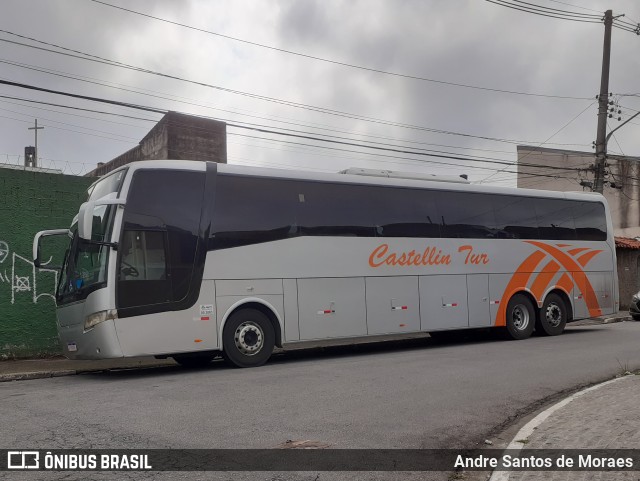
<point>590,220</point>
<point>143,256</point>
<point>400,212</point>
<point>143,278</point>
<point>326,209</point>
<point>555,219</point>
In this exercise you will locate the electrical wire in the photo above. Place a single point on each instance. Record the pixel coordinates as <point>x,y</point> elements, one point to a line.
<point>303,136</point>
<point>75,108</point>
<point>544,13</point>
<point>342,114</point>
<point>42,109</point>
<point>556,11</point>
<point>70,130</point>
<point>552,135</point>
<point>566,15</point>
<point>576,6</point>
<point>165,96</point>
<point>83,97</point>
<point>326,60</point>
<point>478,157</point>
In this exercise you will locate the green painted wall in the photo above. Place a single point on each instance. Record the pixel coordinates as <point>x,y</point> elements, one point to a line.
<point>30,202</point>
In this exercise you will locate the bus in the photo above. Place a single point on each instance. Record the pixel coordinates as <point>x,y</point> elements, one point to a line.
<point>192,260</point>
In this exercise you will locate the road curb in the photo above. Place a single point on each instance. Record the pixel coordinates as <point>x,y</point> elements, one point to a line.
<point>597,321</point>
<point>525,430</point>
<point>25,376</point>
<point>610,320</point>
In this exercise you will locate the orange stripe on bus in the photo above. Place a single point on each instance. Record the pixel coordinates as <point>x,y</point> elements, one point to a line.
<point>565,283</point>
<point>580,280</point>
<point>543,279</point>
<point>518,282</point>
<point>577,251</point>
<point>586,258</point>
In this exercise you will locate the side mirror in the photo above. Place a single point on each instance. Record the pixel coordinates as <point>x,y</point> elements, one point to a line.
<point>39,236</point>
<point>85,220</point>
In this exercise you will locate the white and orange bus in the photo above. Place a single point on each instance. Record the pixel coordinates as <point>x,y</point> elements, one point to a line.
<point>193,259</point>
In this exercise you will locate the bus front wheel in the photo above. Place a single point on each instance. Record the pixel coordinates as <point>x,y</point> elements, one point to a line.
<point>520,317</point>
<point>248,338</point>
<point>553,316</point>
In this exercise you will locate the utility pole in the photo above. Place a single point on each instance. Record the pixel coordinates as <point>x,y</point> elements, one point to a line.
<point>603,105</point>
<point>36,128</point>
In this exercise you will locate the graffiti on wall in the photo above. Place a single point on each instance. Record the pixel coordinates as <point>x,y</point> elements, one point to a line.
<point>24,278</point>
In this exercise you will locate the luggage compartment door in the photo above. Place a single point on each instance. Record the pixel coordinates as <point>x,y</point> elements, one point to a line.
<point>443,302</point>
<point>331,308</point>
<point>393,305</point>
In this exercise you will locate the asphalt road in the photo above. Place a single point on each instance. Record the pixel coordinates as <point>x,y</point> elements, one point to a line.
<point>417,394</point>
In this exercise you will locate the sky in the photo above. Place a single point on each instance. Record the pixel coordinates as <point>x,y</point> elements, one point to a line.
<point>466,80</point>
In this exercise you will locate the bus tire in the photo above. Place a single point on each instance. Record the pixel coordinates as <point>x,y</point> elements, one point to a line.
<point>553,316</point>
<point>248,338</point>
<point>194,360</point>
<point>520,318</point>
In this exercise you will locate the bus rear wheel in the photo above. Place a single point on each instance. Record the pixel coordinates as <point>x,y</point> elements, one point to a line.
<point>520,318</point>
<point>553,316</point>
<point>248,338</point>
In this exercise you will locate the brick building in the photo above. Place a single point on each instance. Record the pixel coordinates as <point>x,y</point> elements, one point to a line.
<point>177,137</point>
<point>567,170</point>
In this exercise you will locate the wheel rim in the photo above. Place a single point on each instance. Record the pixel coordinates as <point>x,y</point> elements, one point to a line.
<point>520,316</point>
<point>249,338</point>
<point>553,314</point>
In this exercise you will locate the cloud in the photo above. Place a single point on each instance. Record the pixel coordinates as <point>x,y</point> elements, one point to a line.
<point>464,42</point>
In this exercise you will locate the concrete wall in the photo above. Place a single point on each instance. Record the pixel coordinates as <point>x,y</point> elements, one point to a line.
<point>562,170</point>
<point>32,201</point>
<point>628,275</point>
<point>176,137</point>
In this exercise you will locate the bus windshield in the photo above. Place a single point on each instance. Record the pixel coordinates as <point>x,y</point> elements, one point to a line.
<point>107,185</point>
<point>85,265</point>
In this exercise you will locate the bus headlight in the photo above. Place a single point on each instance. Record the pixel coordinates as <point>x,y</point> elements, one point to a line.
<point>96,318</point>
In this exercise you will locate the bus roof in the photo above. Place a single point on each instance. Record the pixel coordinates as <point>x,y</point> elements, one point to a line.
<point>358,179</point>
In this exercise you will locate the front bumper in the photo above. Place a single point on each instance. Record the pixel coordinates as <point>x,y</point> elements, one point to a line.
<point>100,342</point>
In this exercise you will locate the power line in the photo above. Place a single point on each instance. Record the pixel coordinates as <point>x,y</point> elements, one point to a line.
<point>393,149</point>
<point>407,158</point>
<point>275,100</point>
<point>576,6</point>
<point>546,12</point>
<point>83,97</point>
<point>552,135</point>
<point>425,151</point>
<point>70,130</point>
<point>565,14</point>
<point>309,136</point>
<point>165,96</point>
<point>75,108</point>
<point>38,108</point>
<point>70,125</point>
<point>322,110</point>
<point>335,62</point>
<point>332,112</point>
<point>556,11</point>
